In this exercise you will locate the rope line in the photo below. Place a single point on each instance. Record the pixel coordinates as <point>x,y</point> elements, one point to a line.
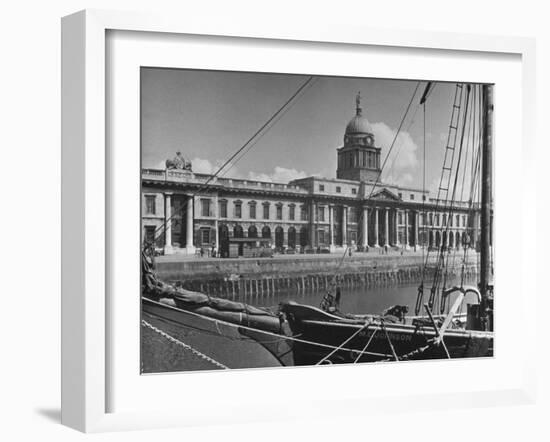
<point>366,326</point>
<point>184,345</point>
<point>241,149</point>
<point>360,218</point>
<point>281,337</point>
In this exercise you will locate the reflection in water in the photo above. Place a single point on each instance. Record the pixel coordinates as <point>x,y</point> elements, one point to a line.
<point>373,300</point>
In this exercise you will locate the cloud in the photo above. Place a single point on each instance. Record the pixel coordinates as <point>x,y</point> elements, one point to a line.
<point>434,187</point>
<point>279,175</point>
<point>160,165</point>
<point>403,162</point>
<point>201,165</point>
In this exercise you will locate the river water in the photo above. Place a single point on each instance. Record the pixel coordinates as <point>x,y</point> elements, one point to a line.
<point>371,300</point>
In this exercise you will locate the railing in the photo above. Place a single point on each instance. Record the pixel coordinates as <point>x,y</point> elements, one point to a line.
<point>188,177</point>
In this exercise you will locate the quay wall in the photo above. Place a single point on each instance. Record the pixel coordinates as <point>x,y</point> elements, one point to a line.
<point>241,278</point>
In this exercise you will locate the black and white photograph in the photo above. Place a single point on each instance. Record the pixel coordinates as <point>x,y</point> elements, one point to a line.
<point>304,220</point>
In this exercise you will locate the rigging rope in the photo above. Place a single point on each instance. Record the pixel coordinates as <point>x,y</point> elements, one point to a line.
<point>248,144</point>
<point>279,337</point>
<point>333,280</point>
<point>448,204</point>
<point>466,119</point>
<point>451,204</point>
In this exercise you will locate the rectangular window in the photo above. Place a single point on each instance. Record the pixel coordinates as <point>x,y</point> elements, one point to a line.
<point>338,189</point>
<point>252,211</point>
<point>149,234</point>
<point>303,213</point>
<point>352,215</point>
<point>321,187</point>
<point>423,197</point>
<point>238,210</point>
<point>205,207</point>
<point>291,212</point>
<point>321,214</point>
<point>223,209</point>
<point>400,218</point>
<point>354,191</point>
<point>150,205</point>
<point>437,219</point>
<point>412,196</point>
<point>444,219</point>
<point>266,211</point>
<point>279,211</point>
<point>463,220</point>
<point>205,236</point>
<point>400,195</point>
<point>321,236</point>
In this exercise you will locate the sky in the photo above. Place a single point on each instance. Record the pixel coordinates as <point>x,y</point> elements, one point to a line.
<point>209,115</point>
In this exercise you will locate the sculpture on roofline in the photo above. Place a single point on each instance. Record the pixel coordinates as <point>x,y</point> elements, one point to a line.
<point>178,163</point>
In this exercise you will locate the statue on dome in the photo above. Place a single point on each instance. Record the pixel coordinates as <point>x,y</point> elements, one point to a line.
<point>179,163</point>
<point>358,103</point>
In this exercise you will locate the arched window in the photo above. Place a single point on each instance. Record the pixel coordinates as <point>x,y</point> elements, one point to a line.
<point>279,237</point>
<point>252,232</point>
<point>304,236</point>
<point>266,232</point>
<point>292,237</point>
<point>237,231</point>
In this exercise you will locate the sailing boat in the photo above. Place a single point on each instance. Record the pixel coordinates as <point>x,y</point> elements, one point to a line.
<point>331,337</point>
<point>297,334</point>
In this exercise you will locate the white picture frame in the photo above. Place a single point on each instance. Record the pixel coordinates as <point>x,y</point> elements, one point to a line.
<point>86,350</point>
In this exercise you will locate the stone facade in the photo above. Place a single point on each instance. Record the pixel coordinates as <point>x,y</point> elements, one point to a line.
<point>183,211</point>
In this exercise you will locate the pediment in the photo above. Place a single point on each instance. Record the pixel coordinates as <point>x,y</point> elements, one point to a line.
<point>385,195</point>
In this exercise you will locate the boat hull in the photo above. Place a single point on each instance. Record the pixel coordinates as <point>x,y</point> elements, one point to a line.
<point>321,334</point>
<point>231,344</point>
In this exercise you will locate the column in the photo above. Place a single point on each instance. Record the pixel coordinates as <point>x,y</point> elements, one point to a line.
<point>189,226</point>
<point>475,229</point>
<point>416,219</point>
<point>365,228</point>
<point>312,224</point>
<point>406,213</point>
<point>216,226</point>
<point>344,226</point>
<point>386,226</point>
<point>167,223</point>
<point>376,242</point>
<point>331,226</point>
<point>396,228</point>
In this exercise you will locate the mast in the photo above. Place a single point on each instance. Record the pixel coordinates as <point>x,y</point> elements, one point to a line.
<point>486,204</point>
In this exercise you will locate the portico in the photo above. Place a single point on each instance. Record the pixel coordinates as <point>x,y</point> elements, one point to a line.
<point>183,210</point>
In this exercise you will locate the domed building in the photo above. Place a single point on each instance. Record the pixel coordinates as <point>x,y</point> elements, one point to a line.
<point>359,158</point>
<point>195,211</point>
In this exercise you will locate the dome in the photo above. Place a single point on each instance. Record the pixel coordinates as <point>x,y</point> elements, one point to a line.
<point>358,125</point>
